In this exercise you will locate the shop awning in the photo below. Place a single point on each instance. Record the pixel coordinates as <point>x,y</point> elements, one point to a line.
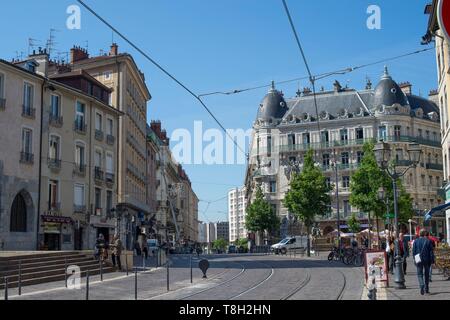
<point>437,210</point>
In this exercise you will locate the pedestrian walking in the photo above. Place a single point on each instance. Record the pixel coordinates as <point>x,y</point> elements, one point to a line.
<point>434,246</point>
<point>404,250</point>
<point>117,251</point>
<point>423,259</point>
<point>390,247</point>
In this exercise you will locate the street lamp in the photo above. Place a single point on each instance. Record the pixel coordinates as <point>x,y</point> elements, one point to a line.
<point>382,152</point>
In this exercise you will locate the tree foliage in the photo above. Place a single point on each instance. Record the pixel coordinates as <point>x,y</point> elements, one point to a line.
<point>220,244</point>
<point>260,216</point>
<point>308,195</point>
<point>353,224</point>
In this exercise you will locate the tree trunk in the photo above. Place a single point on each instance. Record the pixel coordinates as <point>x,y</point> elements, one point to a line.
<point>308,241</point>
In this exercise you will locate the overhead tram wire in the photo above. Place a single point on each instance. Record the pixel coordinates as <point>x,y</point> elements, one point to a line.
<point>162,69</point>
<point>311,78</point>
<point>322,75</point>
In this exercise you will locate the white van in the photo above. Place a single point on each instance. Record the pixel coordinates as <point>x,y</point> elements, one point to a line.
<point>290,243</point>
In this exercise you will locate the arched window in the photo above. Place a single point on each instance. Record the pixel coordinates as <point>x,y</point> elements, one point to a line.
<point>19,215</point>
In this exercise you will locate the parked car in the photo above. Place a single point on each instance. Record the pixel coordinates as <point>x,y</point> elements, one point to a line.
<point>290,243</point>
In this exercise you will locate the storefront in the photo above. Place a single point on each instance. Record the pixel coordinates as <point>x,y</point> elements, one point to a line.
<point>57,233</point>
<point>104,226</point>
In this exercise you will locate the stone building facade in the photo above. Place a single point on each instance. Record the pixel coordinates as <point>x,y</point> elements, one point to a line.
<point>285,129</point>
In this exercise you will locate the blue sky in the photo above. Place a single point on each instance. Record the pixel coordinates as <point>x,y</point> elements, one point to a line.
<point>223,45</point>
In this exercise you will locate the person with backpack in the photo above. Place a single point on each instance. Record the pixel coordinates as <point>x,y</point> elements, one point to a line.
<point>423,259</point>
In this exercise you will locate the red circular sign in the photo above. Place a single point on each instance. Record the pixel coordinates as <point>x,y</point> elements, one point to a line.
<point>444,17</point>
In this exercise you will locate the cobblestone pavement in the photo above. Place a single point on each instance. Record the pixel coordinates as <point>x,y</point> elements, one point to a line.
<point>439,287</point>
<point>230,277</point>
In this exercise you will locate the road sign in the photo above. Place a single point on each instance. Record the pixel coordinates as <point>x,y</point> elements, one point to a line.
<point>389,215</point>
<point>204,266</point>
<point>444,17</point>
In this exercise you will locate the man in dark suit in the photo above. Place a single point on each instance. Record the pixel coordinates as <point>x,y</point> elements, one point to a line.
<point>423,247</point>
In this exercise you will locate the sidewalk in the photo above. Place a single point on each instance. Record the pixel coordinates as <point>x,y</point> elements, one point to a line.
<point>439,288</point>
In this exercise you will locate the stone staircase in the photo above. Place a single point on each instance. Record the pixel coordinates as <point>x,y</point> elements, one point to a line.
<point>46,267</point>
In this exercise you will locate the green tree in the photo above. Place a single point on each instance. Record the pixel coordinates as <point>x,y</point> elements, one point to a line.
<point>260,216</point>
<point>308,195</point>
<point>353,224</point>
<point>220,244</point>
<point>241,242</point>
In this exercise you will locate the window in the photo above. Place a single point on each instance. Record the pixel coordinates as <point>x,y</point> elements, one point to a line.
<point>98,201</point>
<point>344,158</point>
<point>328,181</point>
<point>28,95</point>
<point>269,145</point>
<point>306,138</point>
<point>423,180</point>
<point>53,152</point>
<point>110,127</point>
<point>397,132</point>
<point>109,164</point>
<point>2,86</point>
<point>79,155</point>
<point>438,182</point>
<point>291,139</point>
<point>107,75</point>
<point>109,201</point>
<point>347,208</point>
<point>346,182</point>
<point>18,215</point>
<point>435,137</point>
<point>359,156</point>
<point>78,197</point>
<point>273,186</point>
<point>325,136</point>
<point>55,108</point>
<point>344,135</point>
<point>98,122</point>
<point>427,135</point>
<point>382,133</point>
<point>326,160</point>
<point>53,195</point>
<point>98,159</point>
<point>399,154</point>
<point>27,136</point>
<point>80,114</point>
<point>359,134</point>
<point>419,133</point>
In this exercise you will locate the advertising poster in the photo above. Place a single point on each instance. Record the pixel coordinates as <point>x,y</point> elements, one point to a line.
<point>376,266</point>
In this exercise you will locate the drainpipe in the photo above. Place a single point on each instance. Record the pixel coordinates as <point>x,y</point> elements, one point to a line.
<point>38,218</point>
<point>91,150</point>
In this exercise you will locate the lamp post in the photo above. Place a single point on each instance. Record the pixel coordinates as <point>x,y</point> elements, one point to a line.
<point>335,165</point>
<point>119,212</point>
<point>382,152</point>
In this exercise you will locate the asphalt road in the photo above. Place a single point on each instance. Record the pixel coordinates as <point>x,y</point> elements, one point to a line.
<point>230,277</point>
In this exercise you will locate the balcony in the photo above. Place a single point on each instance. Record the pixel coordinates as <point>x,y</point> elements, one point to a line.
<point>409,139</point>
<point>79,208</point>
<point>54,164</point>
<point>98,211</point>
<point>79,127</point>
<point>403,163</point>
<point>2,104</point>
<point>99,135</point>
<point>110,139</point>
<point>109,179</point>
<point>26,158</point>
<point>55,121</point>
<point>79,170</point>
<point>54,209</point>
<point>320,145</point>
<point>98,175</point>
<point>28,112</point>
<point>435,166</point>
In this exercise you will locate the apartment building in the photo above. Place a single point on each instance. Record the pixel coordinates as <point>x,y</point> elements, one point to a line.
<point>237,204</point>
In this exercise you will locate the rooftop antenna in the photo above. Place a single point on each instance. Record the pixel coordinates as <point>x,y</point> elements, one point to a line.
<point>19,55</point>
<point>32,43</point>
<point>87,46</point>
<point>51,41</point>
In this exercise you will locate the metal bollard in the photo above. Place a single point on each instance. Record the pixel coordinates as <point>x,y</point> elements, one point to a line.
<point>167,267</point>
<point>135,283</point>
<point>87,285</point>
<point>126,262</point>
<point>6,288</point>
<point>20,277</point>
<point>143,263</point>
<point>191,268</point>
<point>101,270</point>
<point>65,272</point>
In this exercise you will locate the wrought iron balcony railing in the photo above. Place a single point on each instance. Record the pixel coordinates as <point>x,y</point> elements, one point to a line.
<point>27,158</point>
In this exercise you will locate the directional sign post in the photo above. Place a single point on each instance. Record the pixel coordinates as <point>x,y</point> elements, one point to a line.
<point>444,17</point>
<point>204,266</point>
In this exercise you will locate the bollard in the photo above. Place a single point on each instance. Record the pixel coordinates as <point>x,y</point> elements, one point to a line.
<point>65,272</point>
<point>87,285</point>
<point>101,270</point>
<point>6,288</point>
<point>20,277</point>
<point>135,283</point>
<point>126,262</point>
<point>191,268</point>
<point>143,263</point>
<point>167,267</point>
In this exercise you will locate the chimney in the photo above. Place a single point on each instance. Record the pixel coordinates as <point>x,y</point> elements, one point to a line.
<point>78,54</point>
<point>337,86</point>
<point>114,49</point>
<point>406,87</point>
<point>434,96</point>
<point>156,127</point>
<point>306,91</point>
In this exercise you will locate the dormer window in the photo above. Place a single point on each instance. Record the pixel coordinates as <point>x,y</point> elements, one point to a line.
<point>30,66</point>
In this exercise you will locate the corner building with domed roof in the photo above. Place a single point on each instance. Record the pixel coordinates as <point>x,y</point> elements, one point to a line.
<point>285,129</point>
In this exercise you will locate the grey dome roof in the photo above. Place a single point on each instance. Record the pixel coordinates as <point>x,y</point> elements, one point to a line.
<point>388,92</point>
<point>272,106</point>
